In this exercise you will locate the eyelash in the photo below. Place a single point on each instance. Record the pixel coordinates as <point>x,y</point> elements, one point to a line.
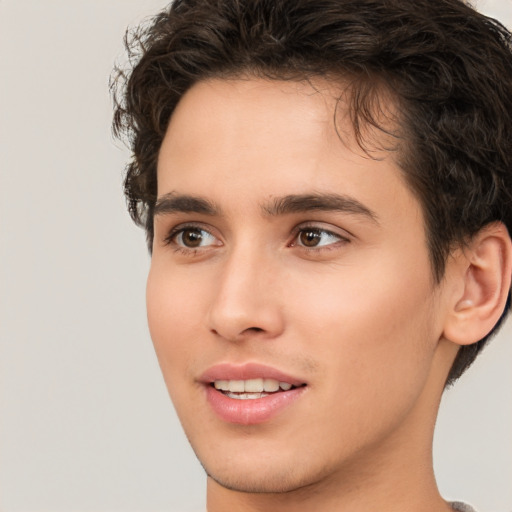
<point>317,229</point>
<point>170,239</point>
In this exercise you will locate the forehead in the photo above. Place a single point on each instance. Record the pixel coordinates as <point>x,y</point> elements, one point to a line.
<point>266,136</point>
<point>254,112</point>
<point>335,111</point>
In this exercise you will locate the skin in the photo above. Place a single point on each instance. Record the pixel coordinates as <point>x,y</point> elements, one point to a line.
<point>357,317</point>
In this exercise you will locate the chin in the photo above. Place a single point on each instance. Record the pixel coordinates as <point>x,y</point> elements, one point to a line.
<point>264,471</point>
<point>284,481</point>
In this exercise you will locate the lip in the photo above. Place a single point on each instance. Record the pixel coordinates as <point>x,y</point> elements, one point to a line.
<point>228,371</point>
<point>251,411</point>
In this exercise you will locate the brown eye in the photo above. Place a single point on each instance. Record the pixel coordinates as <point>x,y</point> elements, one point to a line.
<point>313,238</point>
<point>310,237</point>
<point>193,238</point>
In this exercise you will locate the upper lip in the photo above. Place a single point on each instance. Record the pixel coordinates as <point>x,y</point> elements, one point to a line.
<point>229,371</point>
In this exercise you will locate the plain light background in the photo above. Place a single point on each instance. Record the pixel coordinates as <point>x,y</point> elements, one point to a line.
<point>85,421</point>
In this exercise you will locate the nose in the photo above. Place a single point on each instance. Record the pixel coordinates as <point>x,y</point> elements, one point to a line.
<point>246,301</point>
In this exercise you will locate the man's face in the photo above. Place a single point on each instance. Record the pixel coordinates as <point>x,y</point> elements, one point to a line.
<point>283,254</point>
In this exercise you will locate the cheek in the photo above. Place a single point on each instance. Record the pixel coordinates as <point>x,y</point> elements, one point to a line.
<point>373,327</point>
<point>373,345</point>
<point>174,317</point>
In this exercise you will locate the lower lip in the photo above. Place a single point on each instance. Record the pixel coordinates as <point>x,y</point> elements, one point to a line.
<point>250,411</point>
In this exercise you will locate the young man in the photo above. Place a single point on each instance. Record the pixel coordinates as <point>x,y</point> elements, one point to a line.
<point>326,187</point>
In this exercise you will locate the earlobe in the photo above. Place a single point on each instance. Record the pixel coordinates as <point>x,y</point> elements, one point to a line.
<point>483,270</point>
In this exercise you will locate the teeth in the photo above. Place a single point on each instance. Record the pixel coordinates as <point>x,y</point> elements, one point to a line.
<point>271,385</point>
<point>222,385</point>
<point>236,386</point>
<point>251,386</point>
<point>254,386</point>
<point>246,396</point>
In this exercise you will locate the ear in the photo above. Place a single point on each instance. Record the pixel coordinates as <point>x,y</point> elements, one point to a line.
<point>480,275</point>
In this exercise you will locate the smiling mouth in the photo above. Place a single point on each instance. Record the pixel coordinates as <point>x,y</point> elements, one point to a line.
<point>251,389</point>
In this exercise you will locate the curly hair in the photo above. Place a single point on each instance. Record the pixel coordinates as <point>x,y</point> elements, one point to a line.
<point>447,68</point>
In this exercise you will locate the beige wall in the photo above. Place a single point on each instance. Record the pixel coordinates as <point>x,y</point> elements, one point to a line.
<point>85,422</point>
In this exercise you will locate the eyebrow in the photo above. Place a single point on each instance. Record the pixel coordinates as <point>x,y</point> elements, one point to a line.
<point>294,203</point>
<point>319,202</point>
<point>177,203</point>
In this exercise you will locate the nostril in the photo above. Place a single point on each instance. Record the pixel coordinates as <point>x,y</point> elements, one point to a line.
<point>245,334</point>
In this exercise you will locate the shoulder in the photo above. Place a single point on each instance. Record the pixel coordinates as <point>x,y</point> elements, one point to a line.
<point>461,507</point>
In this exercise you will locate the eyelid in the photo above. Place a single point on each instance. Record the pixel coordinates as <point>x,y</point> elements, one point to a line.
<point>323,226</point>
<point>180,228</point>
<point>343,237</point>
